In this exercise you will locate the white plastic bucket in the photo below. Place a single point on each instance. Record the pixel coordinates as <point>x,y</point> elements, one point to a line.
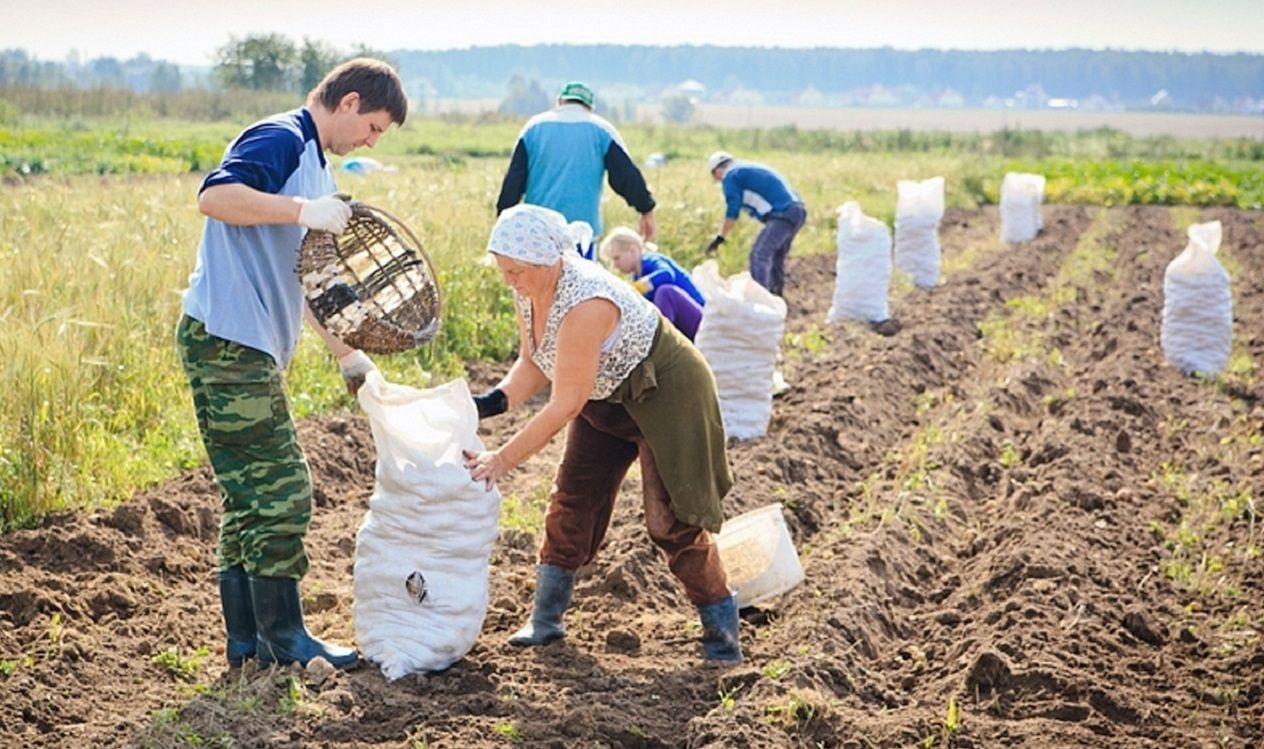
<point>759,556</point>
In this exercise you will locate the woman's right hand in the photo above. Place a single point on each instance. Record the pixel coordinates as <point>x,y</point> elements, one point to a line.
<point>485,466</point>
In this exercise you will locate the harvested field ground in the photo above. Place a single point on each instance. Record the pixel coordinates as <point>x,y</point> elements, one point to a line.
<point>1041,536</point>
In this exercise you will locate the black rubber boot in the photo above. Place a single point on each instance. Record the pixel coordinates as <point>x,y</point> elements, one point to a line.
<point>719,631</point>
<point>239,615</point>
<point>553,587</point>
<point>281,636</point>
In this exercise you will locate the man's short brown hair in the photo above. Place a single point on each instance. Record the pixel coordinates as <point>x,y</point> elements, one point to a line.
<point>376,82</point>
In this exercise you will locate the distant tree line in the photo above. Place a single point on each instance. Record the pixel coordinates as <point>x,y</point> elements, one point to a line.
<point>274,62</point>
<point>141,73</point>
<point>258,62</point>
<point>1128,77</point>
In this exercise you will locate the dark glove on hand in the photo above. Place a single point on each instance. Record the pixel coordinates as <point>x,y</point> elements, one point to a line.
<point>491,403</point>
<point>715,245</point>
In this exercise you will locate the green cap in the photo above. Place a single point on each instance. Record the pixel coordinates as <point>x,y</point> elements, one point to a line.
<point>577,91</point>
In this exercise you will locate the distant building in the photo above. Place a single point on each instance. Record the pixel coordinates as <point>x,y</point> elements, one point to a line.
<point>691,88</point>
<point>1099,103</point>
<point>1032,97</point>
<point>744,97</point>
<point>1248,105</point>
<point>878,96</point>
<point>1162,100</point>
<point>950,99</point>
<point>809,97</point>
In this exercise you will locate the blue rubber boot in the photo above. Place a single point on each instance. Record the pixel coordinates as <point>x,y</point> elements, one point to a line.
<point>719,631</point>
<point>553,587</point>
<point>239,615</point>
<point>281,636</point>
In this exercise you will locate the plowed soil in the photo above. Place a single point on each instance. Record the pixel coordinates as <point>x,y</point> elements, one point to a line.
<point>1035,535</point>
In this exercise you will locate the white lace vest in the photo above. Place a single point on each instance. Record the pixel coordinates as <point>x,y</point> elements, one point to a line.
<point>580,281</point>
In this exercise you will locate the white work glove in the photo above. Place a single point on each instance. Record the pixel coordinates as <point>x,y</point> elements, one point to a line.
<point>329,214</point>
<point>354,367</point>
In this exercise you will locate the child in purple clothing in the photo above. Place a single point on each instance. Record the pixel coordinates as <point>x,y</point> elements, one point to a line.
<point>656,276</point>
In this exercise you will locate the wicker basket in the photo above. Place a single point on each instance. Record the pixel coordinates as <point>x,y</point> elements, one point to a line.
<point>373,286</point>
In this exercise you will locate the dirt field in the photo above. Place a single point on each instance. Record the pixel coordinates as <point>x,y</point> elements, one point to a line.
<point>991,552</point>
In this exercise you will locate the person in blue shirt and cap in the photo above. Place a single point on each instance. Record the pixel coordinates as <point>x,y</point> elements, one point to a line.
<point>560,159</point>
<point>768,197</point>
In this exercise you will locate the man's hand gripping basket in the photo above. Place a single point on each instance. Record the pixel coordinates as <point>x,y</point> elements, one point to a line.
<point>373,286</point>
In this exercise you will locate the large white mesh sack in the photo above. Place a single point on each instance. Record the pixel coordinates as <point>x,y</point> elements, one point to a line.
<point>919,209</point>
<point>740,336</point>
<point>1197,331</point>
<point>1021,197</point>
<point>864,267</point>
<point>423,547</point>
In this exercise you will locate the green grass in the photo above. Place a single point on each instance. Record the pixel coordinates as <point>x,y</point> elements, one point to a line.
<point>1194,181</point>
<point>181,667</point>
<point>79,148</point>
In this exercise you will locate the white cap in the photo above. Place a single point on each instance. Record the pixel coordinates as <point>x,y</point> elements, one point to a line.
<point>718,158</point>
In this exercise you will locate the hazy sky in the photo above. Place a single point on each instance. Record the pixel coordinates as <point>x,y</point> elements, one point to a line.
<point>189,33</point>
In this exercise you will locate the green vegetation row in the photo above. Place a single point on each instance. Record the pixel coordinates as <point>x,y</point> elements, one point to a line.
<point>1100,167</point>
<point>93,405</point>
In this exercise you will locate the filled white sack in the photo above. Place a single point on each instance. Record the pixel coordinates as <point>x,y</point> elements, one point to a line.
<point>919,209</point>
<point>1021,197</point>
<point>863,275</point>
<point>740,336</point>
<point>423,548</point>
<point>1197,330</point>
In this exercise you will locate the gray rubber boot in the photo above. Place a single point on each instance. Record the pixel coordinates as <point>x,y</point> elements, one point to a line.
<point>553,587</point>
<point>719,631</point>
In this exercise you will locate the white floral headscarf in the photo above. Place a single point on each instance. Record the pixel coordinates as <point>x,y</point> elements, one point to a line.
<point>534,234</point>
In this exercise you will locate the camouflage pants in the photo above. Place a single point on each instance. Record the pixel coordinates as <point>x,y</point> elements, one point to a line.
<point>264,481</point>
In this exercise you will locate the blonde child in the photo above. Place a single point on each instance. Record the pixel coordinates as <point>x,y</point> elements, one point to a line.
<point>659,278</point>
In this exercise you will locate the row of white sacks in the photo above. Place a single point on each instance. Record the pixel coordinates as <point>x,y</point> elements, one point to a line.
<point>1197,327</point>
<point>865,257</point>
<point>742,324</point>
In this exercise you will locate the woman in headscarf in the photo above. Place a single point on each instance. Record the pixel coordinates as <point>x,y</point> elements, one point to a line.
<point>629,386</point>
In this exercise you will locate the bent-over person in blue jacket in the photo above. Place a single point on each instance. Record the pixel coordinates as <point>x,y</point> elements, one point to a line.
<point>768,197</point>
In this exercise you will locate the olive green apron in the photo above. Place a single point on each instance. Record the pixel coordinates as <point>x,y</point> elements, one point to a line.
<point>672,398</point>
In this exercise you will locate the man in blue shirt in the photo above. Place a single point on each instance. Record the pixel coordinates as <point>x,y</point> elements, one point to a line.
<point>560,158</point>
<point>240,327</point>
<point>766,196</point>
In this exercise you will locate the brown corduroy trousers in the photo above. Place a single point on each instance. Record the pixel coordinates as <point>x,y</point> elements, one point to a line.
<point>601,444</point>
